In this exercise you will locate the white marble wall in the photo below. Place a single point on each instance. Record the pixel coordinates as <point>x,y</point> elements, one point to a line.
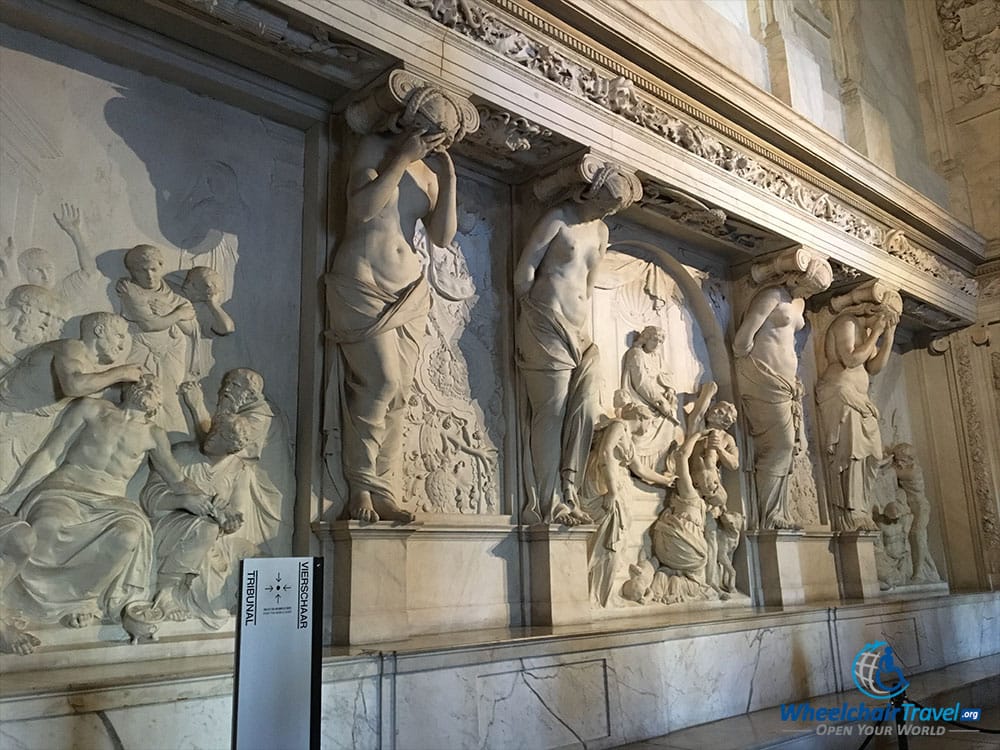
<point>604,689</point>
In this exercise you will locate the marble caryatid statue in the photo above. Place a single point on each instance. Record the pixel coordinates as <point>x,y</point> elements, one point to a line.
<point>606,491</point>
<point>910,480</point>
<point>32,316</point>
<point>17,541</point>
<point>192,553</point>
<point>857,345</point>
<point>267,454</point>
<point>767,371</point>
<point>557,360</point>
<point>94,546</point>
<point>166,327</point>
<point>378,298</point>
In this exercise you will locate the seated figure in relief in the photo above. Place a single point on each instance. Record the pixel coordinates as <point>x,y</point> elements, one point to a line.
<point>606,491</point>
<point>192,550</point>
<point>644,382</point>
<point>33,315</point>
<point>166,328</point>
<point>377,295</point>
<point>556,357</point>
<point>267,454</point>
<point>892,552</point>
<point>94,548</point>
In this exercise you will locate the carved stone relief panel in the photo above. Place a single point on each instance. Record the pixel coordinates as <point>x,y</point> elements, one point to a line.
<point>654,361</point>
<point>150,311</point>
<point>454,432</point>
<point>971,36</point>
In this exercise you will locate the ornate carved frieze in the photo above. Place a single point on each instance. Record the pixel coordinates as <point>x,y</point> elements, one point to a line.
<point>687,210</point>
<point>930,316</point>
<point>620,94</point>
<point>845,274</point>
<point>971,37</point>
<point>514,145</point>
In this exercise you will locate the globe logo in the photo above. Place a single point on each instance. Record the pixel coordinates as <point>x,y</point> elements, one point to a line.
<point>875,674</point>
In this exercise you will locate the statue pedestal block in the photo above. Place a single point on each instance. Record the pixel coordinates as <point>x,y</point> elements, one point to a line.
<point>440,574</point>
<point>558,560</point>
<point>856,564</point>
<point>369,582</point>
<point>795,566</point>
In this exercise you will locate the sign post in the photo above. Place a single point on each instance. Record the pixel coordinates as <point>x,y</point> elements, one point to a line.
<point>276,695</point>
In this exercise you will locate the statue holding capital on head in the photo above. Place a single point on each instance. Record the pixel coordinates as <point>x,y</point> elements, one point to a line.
<point>556,357</point>
<point>378,297</point>
<point>857,346</point>
<point>767,371</point>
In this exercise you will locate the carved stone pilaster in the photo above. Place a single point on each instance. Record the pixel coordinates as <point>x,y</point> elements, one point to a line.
<point>978,453</point>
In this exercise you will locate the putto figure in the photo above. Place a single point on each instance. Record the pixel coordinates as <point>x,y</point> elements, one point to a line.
<point>553,282</point>
<point>377,296</point>
<point>767,367</point>
<point>865,317</point>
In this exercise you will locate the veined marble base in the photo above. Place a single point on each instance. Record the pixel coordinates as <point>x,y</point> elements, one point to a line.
<point>602,685</point>
<point>558,559</point>
<point>439,574</point>
<point>795,566</point>
<point>97,644</point>
<point>856,564</point>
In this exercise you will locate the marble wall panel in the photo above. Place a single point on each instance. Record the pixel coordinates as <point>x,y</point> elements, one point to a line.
<point>479,587</point>
<point>928,637</point>
<point>86,730</point>
<point>719,27</point>
<point>149,162</point>
<point>350,714</point>
<point>889,78</point>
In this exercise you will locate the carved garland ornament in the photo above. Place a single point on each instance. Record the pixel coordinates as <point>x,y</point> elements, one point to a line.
<point>974,432</point>
<point>618,95</point>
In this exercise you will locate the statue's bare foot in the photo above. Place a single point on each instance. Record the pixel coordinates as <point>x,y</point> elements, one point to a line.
<point>80,619</point>
<point>361,508</point>
<point>566,515</point>
<point>782,524</point>
<point>387,510</point>
<point>168,601</point>
<point>13,640</point>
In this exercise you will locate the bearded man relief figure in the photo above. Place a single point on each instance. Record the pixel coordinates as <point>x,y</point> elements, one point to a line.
<point>557,360</point>
<point>378,297</point>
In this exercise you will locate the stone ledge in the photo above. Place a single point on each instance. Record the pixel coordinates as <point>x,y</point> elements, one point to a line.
<point>50,692</point>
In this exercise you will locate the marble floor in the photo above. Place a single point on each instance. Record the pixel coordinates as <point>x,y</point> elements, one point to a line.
<point>973,683</point>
